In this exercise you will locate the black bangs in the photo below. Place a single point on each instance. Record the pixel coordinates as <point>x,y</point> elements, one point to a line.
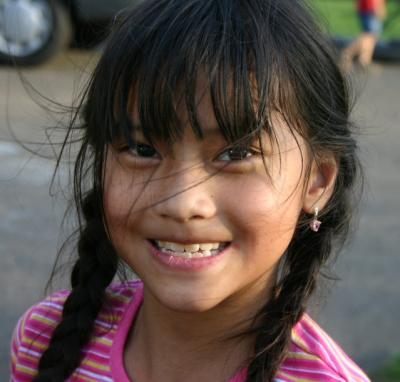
<point>167,52</point>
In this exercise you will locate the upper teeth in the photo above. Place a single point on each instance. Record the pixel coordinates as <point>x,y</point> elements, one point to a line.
<point>188,247</point>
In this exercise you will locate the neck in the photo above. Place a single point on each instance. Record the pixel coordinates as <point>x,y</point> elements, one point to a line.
<point>173,345</point>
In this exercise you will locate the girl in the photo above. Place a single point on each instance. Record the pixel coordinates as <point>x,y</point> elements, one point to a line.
<point>217,163</point>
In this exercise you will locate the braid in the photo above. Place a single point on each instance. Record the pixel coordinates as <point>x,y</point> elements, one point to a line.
<point>307,253</point>
<point>91,274</point>
<point>277,318</point>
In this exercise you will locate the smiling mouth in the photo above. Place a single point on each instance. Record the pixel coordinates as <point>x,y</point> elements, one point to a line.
<point>189,251</point>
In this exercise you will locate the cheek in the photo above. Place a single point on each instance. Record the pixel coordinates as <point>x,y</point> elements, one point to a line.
<point>265,205</point>
<point>116,198</point>
<point>268,212</point>
<point>122,196</point>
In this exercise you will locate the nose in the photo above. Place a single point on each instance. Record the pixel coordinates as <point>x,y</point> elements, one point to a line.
<point>186,194</point>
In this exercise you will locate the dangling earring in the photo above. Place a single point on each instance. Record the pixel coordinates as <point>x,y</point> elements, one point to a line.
<point>315,224</point>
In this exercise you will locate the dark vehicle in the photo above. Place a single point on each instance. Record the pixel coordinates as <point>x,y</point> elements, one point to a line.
<point>32,31</point>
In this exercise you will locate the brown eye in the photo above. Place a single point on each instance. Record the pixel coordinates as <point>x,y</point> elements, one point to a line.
<point>236,154</point>
<point>143,150</point>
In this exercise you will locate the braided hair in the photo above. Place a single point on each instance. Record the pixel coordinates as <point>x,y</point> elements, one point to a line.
<point>91,274</point>
<point>158,46</point>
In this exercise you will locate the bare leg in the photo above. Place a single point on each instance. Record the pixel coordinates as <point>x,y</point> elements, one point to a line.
<point>361,49</point>
<point>368,43</point>
<point>350,53</point>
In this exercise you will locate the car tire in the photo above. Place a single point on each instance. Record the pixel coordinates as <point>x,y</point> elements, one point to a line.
<point>20,47</point>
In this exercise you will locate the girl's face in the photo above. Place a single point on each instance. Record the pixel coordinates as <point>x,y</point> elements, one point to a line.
<point>203,193</point>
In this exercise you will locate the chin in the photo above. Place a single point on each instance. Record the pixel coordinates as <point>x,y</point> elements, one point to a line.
<point>187,301</point>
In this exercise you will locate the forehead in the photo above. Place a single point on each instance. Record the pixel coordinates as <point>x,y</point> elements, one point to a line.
<point>207,104</point>
<point>203,108</point>
<point>194,108</point>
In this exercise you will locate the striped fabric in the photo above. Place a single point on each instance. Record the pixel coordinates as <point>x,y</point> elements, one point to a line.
<point>313,355</point>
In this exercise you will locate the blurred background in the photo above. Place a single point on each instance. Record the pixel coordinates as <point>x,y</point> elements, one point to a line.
<point>49,48</point>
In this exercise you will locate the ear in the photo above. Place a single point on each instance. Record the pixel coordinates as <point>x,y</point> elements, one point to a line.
<point>320,184</point>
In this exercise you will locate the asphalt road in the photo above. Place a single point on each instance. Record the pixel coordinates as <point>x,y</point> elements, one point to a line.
<point>363,310</point>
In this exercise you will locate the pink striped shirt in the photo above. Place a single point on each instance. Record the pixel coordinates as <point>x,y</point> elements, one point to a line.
<point>312,356</point>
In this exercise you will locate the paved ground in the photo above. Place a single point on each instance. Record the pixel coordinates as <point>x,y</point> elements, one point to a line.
<point>362,312</point>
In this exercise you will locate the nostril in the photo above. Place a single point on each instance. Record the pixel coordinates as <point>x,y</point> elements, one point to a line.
<point>190,204</point>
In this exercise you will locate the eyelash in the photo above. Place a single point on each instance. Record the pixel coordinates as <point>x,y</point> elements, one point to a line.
<point>141,146</point>
<point>249,152</point>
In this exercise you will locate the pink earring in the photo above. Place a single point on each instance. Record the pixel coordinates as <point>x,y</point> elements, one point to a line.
<point>315,224</point>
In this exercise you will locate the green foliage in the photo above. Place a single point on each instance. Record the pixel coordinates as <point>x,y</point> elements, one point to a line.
<point>340,18</point>
<point>390,372</point>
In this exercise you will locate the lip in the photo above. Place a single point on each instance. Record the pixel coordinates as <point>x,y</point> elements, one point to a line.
<point>185,264</point>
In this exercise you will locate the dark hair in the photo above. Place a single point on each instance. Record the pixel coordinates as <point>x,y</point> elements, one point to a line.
<point>257,56</point>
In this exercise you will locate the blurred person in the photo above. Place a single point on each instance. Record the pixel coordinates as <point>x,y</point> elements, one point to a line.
<point>371,13</point>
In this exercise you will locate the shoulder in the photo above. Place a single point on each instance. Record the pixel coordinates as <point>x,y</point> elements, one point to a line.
<point>34,329</point>
<point>314,355</point>
<point>40,320</point>
<point>33,332</point>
